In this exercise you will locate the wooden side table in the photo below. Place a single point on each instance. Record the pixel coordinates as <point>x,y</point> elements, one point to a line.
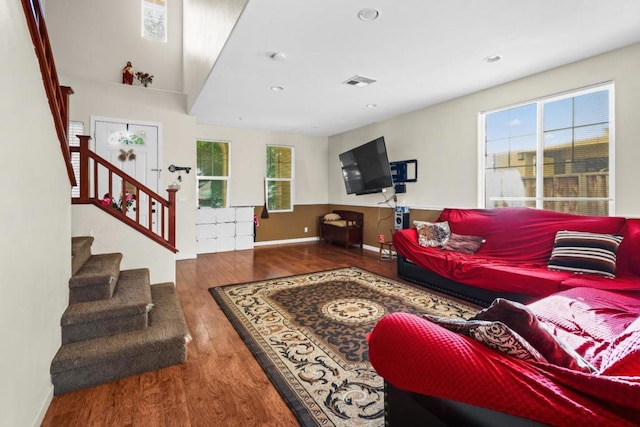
<point>386,252</point>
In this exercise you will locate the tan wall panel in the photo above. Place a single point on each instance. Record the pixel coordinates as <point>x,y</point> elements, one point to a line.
<point>387,220</point>
<point>290,225</point>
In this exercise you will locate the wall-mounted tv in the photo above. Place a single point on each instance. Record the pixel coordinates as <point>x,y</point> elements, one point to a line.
<point>366,169</point>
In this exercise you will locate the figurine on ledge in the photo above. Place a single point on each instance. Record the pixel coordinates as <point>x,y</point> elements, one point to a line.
<point>127,74</point>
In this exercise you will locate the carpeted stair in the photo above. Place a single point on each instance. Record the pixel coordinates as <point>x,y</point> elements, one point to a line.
<point>116,324</point>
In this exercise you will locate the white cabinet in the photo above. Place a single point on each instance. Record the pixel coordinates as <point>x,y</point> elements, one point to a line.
<point>225,229</point>
<point>206,216</point>
<point>225,215</point>
<point>244,229</point>
<point>244,214</point>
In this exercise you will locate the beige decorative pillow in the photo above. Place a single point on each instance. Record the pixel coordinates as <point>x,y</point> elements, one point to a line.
<point>331,217</point>
<point>432,234</point>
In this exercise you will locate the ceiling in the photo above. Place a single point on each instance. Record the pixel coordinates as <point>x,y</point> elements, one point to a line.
<point>420,52</point>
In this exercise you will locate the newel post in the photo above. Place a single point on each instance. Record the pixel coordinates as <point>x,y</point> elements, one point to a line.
<point>172,215</point>
<point>84,167</point>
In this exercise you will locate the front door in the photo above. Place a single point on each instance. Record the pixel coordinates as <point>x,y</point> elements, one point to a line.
<point>134,148</point>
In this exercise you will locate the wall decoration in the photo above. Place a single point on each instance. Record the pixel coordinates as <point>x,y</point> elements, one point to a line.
<point>126,154</point>
<point>127,74</point>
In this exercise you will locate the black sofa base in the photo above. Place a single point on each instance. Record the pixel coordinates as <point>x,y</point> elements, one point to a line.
<point>406,409</point>
<point>416,274</point>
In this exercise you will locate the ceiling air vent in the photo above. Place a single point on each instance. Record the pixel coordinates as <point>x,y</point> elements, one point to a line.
<point>359,81</point>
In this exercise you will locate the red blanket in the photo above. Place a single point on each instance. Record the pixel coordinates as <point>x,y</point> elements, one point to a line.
<point>517,247</point>
<point>416,355</point>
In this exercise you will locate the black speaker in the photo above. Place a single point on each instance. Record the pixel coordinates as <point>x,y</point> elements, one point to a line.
<point>402,220</point>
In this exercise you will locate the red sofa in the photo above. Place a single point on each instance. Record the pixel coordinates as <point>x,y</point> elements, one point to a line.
<point>512,262</point>
<point>440,377</point>
<point>424,359</point>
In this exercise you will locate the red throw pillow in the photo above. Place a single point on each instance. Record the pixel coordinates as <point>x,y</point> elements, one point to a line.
<point>522,320</point>
<point>463,244</point>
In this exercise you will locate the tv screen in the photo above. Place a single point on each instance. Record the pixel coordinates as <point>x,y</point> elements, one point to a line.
<point>366,169</point>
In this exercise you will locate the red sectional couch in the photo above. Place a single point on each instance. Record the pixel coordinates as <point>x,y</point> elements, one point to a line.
<point>420,358</point>
<point>435,376</point>
<point>512,261</point>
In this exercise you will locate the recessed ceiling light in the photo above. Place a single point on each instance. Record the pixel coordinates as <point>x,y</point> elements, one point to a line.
<point>278,56</point>
<point>367,14</point>
<point>493,58</point>
<point>277,88</point>
<point>372,105</point>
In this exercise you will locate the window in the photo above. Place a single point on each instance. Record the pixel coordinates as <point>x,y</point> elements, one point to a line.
<point>75,128</point>
<point>554,153</point>
<point>279,178</point>
<point>154,19</point>
<point>213,173</point>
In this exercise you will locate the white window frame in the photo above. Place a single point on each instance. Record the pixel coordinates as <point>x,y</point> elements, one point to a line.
<point>539,198</point>
<point>291,180</point>
<point>215,177</point>
<point>143,20</point>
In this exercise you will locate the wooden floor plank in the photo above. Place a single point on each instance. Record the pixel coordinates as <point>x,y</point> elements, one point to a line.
<point>221,384</point>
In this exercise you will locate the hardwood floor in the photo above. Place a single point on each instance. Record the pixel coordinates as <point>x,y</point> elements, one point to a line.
<point>221,384</point>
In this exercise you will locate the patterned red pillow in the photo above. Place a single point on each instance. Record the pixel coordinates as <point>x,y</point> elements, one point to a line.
<point>522,320</point>
<point>463,244</point>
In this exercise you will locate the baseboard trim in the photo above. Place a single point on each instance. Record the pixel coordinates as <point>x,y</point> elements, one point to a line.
<point>286,241</point>
<point>371,248</point>
<point>305,240</point>
<point>180,256</point>
<point>43,408</point>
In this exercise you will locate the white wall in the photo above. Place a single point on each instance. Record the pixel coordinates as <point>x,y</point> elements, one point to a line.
<point>180,132</point>
<point>98,95</point>
<point>248,163</point>
<point>35,225</point>
<point>444,138</point>
<point>206,30</point>
<point>111,235</point>
<point>115,100</point>
<point>95,39</point>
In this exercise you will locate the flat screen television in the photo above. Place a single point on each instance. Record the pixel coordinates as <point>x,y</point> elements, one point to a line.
<point>366,169</point>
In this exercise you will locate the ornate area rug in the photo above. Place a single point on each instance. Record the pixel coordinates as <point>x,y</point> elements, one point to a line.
<point>308,333</point>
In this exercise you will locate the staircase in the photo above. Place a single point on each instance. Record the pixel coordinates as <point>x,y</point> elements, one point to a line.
<point>117,324</point>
